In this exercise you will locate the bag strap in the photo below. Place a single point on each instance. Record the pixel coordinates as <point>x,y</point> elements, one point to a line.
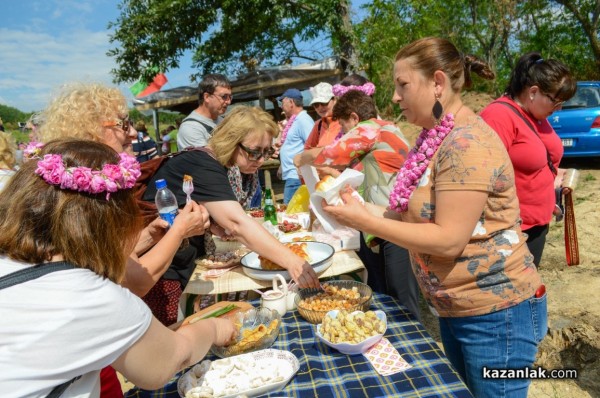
<point>571,241</point>
<point>208,128</point>
<point>528,123</point>
<point>31,273</point>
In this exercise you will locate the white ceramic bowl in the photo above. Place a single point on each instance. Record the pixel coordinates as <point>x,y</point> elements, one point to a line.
<point>353,349</point>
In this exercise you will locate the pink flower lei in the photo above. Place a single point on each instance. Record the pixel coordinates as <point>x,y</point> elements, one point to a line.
<point>111,178</point>
<point>367,88</point>
<point>287,127</point>
<point>417,161</point>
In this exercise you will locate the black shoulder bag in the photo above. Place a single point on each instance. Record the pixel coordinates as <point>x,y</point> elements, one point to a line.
<point>31,273</point>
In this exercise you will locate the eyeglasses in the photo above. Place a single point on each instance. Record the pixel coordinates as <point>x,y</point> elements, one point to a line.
<point>256,154</point>
<point>555,101</point>
<point>224,97</point>
<point>124,124</point>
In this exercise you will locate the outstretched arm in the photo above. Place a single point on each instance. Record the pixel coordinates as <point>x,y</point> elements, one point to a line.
<point>143,272</point>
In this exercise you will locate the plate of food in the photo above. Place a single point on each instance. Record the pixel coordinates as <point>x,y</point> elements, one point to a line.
<point>221,260</point>
<point>352,333</point>
<point>250,375</point>
<point>258,329</point>
<point>317,254</point>
<point>289,226</point>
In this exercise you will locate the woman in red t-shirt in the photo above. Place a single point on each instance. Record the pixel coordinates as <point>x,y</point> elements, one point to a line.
<point>536,89</point>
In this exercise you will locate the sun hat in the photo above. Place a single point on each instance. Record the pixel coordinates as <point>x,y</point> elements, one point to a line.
<point>292,93</point>
<point>322,93</point>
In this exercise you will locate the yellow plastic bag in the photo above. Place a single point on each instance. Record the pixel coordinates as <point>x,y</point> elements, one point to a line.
<point>299,202</point>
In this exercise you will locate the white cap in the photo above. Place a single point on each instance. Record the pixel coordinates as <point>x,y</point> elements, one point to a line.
<point>322,93</point>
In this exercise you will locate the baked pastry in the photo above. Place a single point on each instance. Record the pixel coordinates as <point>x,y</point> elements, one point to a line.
<point>299,249</point>
<point>325,184</point>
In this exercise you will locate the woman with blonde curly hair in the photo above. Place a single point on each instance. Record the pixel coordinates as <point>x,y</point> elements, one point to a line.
<point>7,158</point>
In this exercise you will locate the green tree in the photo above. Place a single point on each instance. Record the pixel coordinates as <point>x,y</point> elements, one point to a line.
<point>228,36</point>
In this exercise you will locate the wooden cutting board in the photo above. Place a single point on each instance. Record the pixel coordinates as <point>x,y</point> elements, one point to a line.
<point>241,306</point>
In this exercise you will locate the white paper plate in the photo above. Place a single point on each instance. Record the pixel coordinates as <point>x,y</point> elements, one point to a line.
<point>321,258</point>
<point>353,349</point>
<point>284,361</point>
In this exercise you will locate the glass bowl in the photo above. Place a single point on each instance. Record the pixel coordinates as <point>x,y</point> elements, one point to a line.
<point>312,315</point>
<point>258,329</point>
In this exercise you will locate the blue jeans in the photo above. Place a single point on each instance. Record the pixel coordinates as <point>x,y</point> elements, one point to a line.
<point>505,339</point>
<point>290,188</point>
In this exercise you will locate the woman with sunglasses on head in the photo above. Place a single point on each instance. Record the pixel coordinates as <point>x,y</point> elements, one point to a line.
<point>537,88</point>
<point>454,207</point>
<point>243,140</point>
<point>71,210</point>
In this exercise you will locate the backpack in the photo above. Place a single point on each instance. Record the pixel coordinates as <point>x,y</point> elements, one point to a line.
<point>148,169</point>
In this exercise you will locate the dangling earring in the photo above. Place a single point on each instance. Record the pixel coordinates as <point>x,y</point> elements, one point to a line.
<point>437,110</point>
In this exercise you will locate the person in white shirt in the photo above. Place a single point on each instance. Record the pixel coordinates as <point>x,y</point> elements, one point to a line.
<point>291,141</point>
<point>73,206</point>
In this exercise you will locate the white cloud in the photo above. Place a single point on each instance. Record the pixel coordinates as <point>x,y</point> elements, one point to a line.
<point>34,64</point>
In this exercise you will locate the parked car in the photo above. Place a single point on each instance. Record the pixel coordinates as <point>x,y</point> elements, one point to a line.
<point>578,122</point>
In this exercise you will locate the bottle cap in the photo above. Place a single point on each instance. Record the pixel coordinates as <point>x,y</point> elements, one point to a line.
<point>160,184</point>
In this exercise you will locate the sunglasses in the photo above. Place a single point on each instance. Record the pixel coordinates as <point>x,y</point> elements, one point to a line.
<point>224,97</point>
<point>555,101</point>
<point>257,154</point>
<point>124,124</point>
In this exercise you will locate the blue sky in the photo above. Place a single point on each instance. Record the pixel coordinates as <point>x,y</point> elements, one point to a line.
<point>47,43</point>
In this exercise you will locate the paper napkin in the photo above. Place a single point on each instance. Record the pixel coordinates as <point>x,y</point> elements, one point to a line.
<point>386,359</point>
<point>332,196</point>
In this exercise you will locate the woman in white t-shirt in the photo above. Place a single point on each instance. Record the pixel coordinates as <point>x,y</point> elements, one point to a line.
<point>75,205</point>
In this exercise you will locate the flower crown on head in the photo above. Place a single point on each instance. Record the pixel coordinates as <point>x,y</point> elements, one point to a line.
<point>367,88</point>
<point>111,178</point>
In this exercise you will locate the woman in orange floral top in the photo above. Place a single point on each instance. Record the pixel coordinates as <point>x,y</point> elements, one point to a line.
<point>454,207</point>
<point>378,149</point>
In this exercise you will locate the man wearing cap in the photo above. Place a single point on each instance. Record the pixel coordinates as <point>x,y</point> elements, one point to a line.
<point>326,130</point>
<point>292,139</point>
<point>214,96</point>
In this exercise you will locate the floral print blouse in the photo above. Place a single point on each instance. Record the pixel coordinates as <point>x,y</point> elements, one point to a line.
<point>495,270</point>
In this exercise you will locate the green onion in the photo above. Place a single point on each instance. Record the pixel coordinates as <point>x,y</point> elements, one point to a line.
<point>220,311</point>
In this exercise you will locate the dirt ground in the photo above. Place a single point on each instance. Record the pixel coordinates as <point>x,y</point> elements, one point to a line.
<point>573,340</point>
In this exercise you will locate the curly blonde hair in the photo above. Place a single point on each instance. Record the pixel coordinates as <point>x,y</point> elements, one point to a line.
<point>242,121</point>
<point>7,151</point>
<point>80,111</point>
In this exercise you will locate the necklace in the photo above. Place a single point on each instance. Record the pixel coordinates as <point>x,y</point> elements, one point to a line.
<point>287,127</point>
<point>417,161</point>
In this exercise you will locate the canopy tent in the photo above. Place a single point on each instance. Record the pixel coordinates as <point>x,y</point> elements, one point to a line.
<point>261,84</point>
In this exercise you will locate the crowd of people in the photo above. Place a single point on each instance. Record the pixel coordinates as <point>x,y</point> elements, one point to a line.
<point>460,218</point>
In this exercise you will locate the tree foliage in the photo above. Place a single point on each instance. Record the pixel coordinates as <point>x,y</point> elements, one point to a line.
<point>233,36</point>
<point>229,36</point>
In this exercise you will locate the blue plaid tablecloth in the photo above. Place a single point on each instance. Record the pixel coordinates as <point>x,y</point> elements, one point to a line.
<point>324,372</point>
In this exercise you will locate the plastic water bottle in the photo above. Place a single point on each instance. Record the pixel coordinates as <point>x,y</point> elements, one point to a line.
<point>166,202</point>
